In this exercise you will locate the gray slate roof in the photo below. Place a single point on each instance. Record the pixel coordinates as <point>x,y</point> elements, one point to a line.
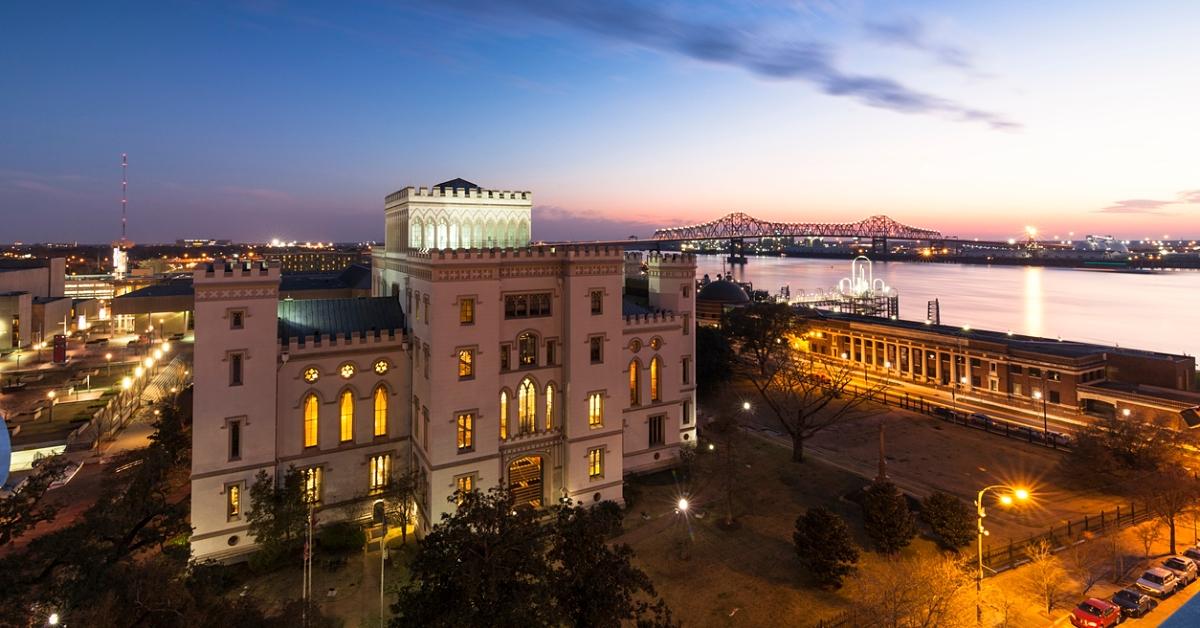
<point>339,316</point>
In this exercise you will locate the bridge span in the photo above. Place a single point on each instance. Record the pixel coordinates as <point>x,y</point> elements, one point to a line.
<point>740,225</point>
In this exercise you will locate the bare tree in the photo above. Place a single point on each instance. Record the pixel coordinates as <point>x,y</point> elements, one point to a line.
<point>1087,562</point>
<point>1114,545</point>
<point>1170,494</point>
<point>1148,534</point>
<point>726,435</point>
<point>1044,576</point>
<point>921,592</point>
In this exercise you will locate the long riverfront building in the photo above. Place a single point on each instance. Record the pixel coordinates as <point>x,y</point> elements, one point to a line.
<point>1012,370</point>
<point>479,361</point>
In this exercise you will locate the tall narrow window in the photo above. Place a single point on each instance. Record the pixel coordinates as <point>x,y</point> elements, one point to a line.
<point>655,380</point>
<point>311,406</point>
<point>381,401</point>
<point>346,416</point>
<point>597,302</point>
<point>381,469</point>
<point>504,415</point>
<point>235,440</point>
<point>237,319</point>
<point>233,501</point>
<point>596,463</point>
<point>656,430</point>
<point>466,363</point>
<point>466,432</point>
<point>687,370</point>
<point>551,352</point>
<point>549,406</point>
<point>425,429</point>
<point>596,349</point>
<point>687,413</point>
<point>505,351</point>
<point>527,349</point>
<point>527,406</point>
<point>466,311</point>
<point>235,369</point>
<point>312,484</point>
<point>635,384</point>
<point>463,484</point>
<point>596,409</point>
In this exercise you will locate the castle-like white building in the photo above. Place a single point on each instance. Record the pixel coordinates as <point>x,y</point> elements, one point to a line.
<point>552,370</point>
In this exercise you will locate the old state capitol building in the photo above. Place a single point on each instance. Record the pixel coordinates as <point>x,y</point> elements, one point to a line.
<point>552,370</point>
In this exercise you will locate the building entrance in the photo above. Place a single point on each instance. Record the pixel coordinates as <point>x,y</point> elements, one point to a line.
<point>525,480</point>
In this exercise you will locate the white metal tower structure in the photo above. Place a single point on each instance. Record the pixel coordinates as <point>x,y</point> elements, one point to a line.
<point>120,255</point>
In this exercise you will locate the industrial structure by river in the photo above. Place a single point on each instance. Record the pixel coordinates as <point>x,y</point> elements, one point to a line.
<point>1158,311</point>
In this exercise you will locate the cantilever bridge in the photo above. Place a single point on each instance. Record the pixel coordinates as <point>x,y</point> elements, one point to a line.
<point>739,225</point>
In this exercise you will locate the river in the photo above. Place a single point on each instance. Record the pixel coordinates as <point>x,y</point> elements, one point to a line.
<point>1159,310</point>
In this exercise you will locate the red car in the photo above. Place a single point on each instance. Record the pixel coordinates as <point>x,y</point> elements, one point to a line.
<point>1095,613</point>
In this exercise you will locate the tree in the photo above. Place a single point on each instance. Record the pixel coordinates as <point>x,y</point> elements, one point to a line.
<point>484,564</point>
<point>1170,494</point>
<point>759,329</point>
<point>1124,448</point>
<point>25,508</point>
<point>1148,534</point>
<point>921,592</point>
<point>278,514</point>
<point>596,584</point>
<point>1087,562</point>
<point>950,518</point>
<point>725,466</point>
<point>714,358</point>
<point>886,517</point>
<point>825,547</point>
<point>1044,576</point>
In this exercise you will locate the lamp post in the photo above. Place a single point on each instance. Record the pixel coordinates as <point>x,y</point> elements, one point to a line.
<point>50,395</point>
<point>1045,419</point>
<point>1008,499</point>
<point>681,507</point>
<point>108,364</point>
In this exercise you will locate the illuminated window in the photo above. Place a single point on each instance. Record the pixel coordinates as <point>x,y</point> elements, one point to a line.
<point>346,414</point>
<point>466,432</point>
<point>527,407</point>
<point>635,384</point>
<point>347,370</point>
<point>463,484</point>
<point>466,363</point>
<point>381,366</point>
<point>312,484</point>
<point>503,415</point>
<point>597,302</point>
<point>549,406</point>
<point>655,377</point>
<point>527,349</point>
<point>656,343</point>
<point>596,463</point>
<point>233,501</point>
<point>311,406</point>
<point>596,410</point>
<point>381,401</point>
<point>311,374</point>
<point>527,305</point>
<point>381,470</point>
<point>466,311</point>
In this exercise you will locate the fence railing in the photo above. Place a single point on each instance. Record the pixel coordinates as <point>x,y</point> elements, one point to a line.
<point>120,408</point>
<point>1006,556</point>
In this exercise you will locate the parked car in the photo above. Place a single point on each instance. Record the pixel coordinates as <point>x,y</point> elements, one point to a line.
<point>1061,440</point>
<point>1184,568</point>
<point>1095,613</point>
<point>980,419</point>
<point>945,413</point>
<point>1192,552</point>
<point>1027,433</point>
<point>1158,582</point>
<point>179,336</point>
<point>1134,603</point>
<point>102,342</point>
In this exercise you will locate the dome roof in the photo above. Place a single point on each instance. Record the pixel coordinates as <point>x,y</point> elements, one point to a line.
<point>723,291</point>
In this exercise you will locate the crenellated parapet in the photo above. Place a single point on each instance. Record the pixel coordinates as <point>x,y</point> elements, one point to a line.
<point>420,193</point>
<point>378,339</point>
<point>534,253</point>
<point>224,269</point>
<point>650,319</point>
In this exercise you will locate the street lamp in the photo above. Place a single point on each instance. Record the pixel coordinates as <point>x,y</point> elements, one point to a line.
<point>1012,496</point>
<point>746,406</point>
<point>53,619</point>
<point>108,364</point>
<point>1125,412</point>
<point>137,371</point>
<point>50,395</point>
<point>1037,394</point>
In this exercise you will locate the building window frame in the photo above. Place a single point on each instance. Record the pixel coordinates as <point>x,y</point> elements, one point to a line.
<point>656,430</point>
<point>234,425</point>
<point>596,349</point>
<point>597,301</point>
<point>233,501</point>
<point>237,367</point>
<point>527,350</point>
<point>465,431</point>
<point>380,408</point>
<point>595,409</point>
<point>595,457</point>
<point>466,310</point>
<point>466,362</point>
<point>237,318</point>
<point>310,408</point>
<point>379,469</point>
<point>346,416</point>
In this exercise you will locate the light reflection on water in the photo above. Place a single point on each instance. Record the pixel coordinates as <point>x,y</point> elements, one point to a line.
<point>1158,311</point>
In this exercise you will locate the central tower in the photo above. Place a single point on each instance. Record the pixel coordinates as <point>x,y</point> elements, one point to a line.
<point>456,214</point>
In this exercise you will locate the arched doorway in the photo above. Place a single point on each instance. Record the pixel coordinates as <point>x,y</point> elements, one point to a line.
<point>525,480</point>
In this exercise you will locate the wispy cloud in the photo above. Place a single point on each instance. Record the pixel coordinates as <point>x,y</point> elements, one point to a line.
<point>1151,206</point>
<point>742,46</point>
<point>910,32</point>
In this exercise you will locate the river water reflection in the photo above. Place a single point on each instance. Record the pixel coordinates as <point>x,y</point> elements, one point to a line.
<point>1159,311</point>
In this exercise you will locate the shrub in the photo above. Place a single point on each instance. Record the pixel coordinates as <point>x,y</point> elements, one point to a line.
<point>824,546</point>
<point>950,518</point>
<point>342,536</point>
<point>888,523</point>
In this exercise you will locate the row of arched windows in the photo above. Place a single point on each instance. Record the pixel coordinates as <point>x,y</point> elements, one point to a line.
<point>346,402</point>
<point>635,381</point>
<point>527,404</point>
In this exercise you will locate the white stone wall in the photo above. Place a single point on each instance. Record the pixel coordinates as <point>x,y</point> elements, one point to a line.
<point>437,218</point>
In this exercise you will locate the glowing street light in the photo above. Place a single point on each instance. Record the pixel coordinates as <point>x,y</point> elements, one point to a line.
<point>53,619</point>
<point>108,363</point>
<point>746,406</point>
<point>1014,494</point>
<point>137,371</point>
<point>126,383</point>
<point>149,361</point>
<point>682,505</point>
<point>158,354</point>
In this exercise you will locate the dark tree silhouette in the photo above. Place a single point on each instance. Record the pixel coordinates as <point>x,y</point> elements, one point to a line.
<point>824,546</point>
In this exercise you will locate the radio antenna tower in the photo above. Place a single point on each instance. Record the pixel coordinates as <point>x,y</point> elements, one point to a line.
<point>124,191</point>
<point>120,253</point>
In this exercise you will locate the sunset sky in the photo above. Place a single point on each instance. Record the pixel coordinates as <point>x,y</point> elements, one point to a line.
<point>265,118</point>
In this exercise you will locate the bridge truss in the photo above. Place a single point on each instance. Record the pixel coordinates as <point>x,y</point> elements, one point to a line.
<point>739,225</point>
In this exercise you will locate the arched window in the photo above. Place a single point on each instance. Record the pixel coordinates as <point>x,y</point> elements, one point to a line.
<point>381,395</point>
<point>527,345</point>
<point>635,384</point>
<point>549,406</point>
<point>503,415</point>
<point>310,419</point>
<point>527,406</point>
<point>655,379</point>
<point>346,412</point>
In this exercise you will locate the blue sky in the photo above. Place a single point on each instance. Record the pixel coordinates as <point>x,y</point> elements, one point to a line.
<point>278,119</point>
